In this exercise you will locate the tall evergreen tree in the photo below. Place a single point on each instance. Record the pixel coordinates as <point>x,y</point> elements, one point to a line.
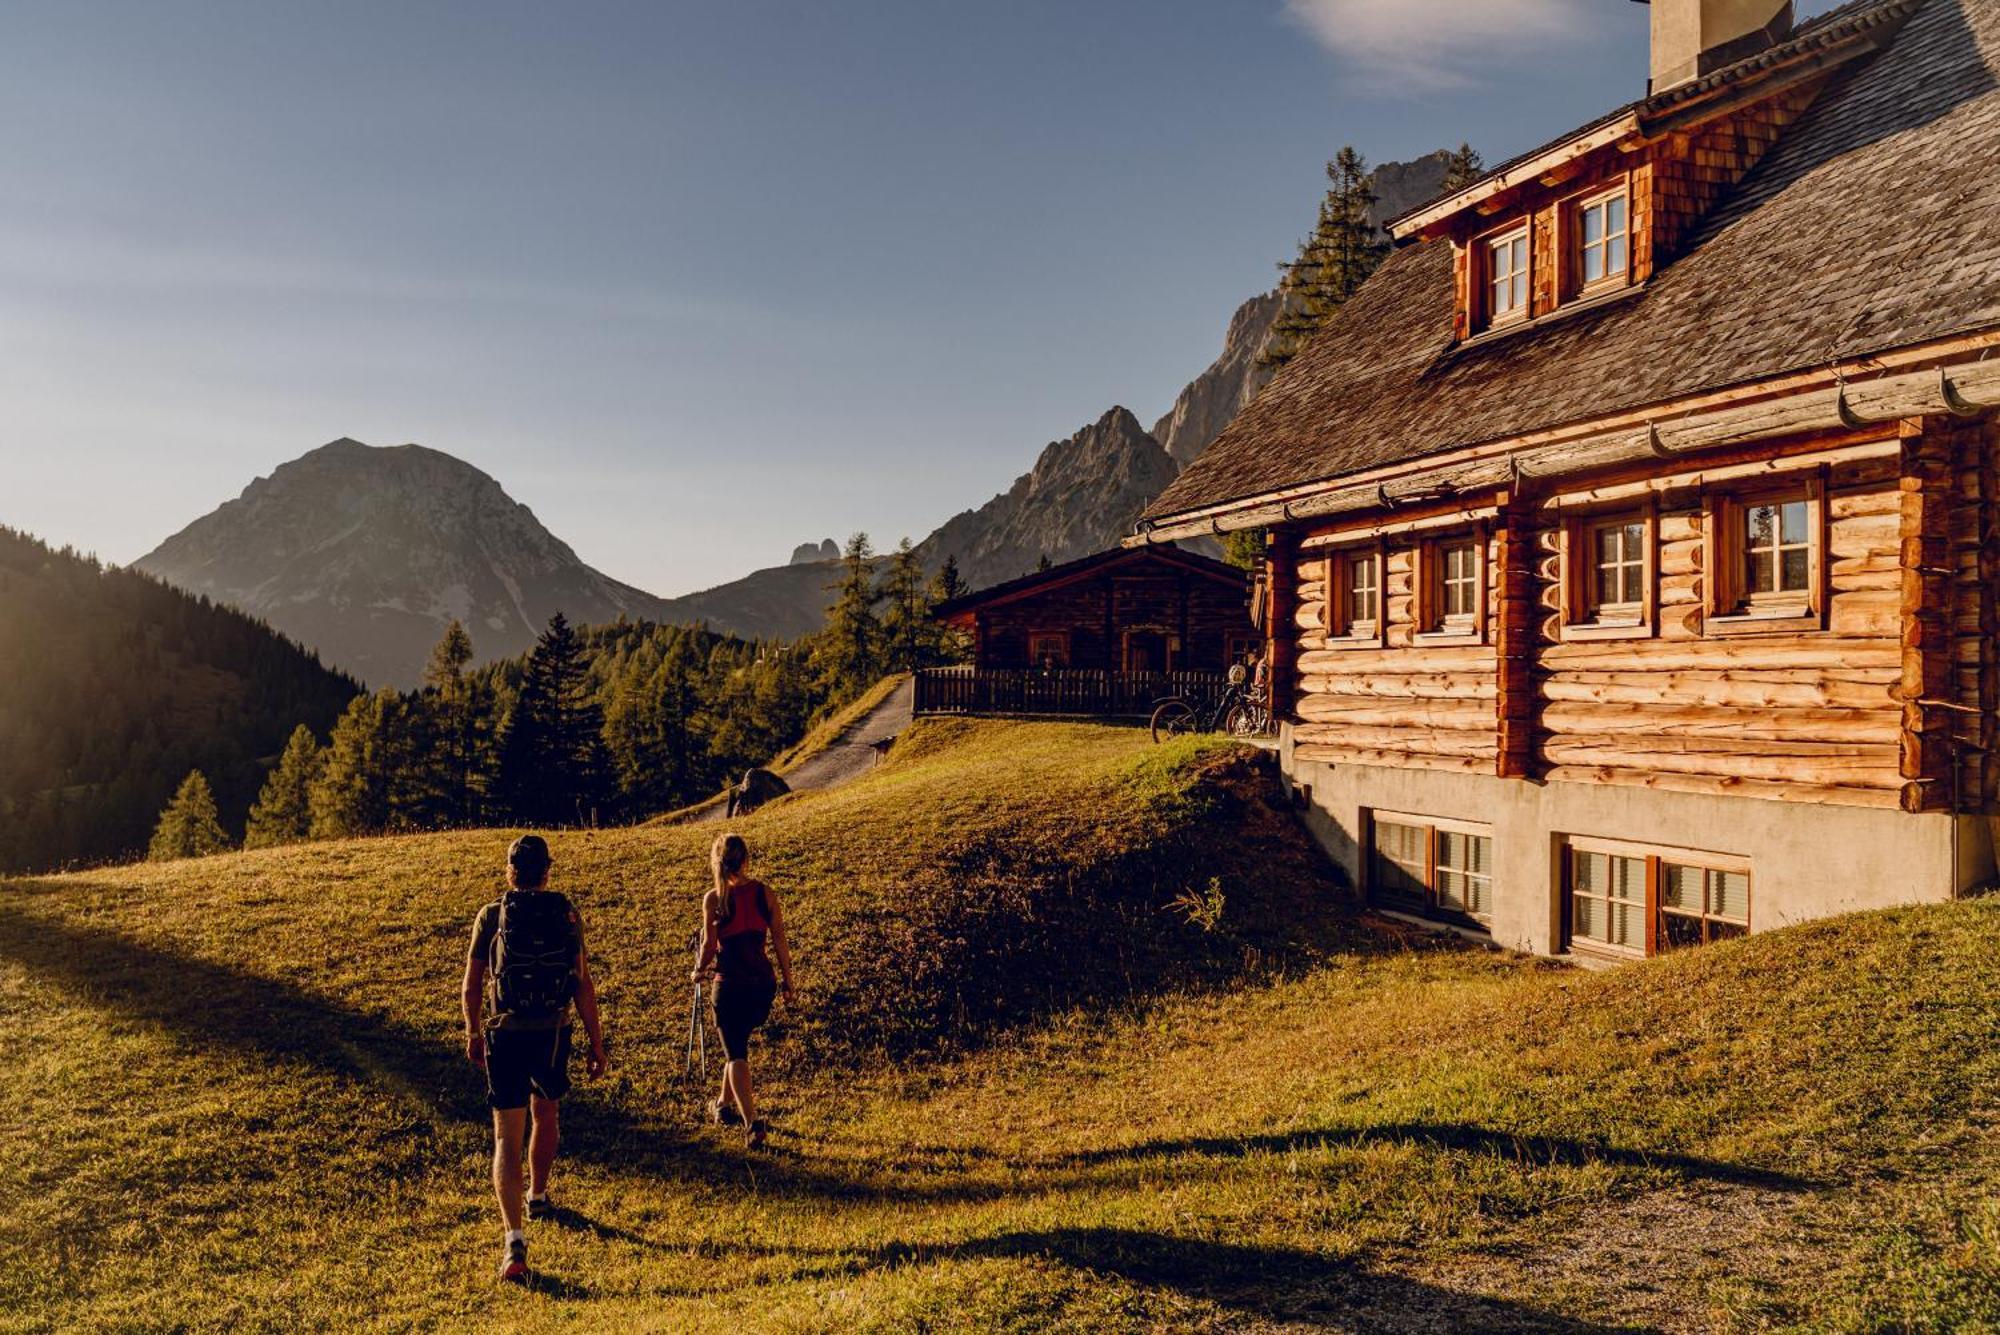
<point>849,647</point>
<point>1464,167</point>
<point>908,638</point>
<point>452,725</point>
<point>351,795</point>
<point>947,584</point>
<point>190,826</point>
<point>553,768</point>
<point>283,811</point>
<point>1332,263</point>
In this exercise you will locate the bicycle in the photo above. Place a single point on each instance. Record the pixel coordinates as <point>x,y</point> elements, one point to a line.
<point>1237,712</point>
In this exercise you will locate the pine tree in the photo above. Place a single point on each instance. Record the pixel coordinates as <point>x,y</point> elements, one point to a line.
<point>190,826</point>
<point>1244,548</point>
<point>907,629</point>
<point>848,647</point>
<point>948,583</point>
<point>453,724</point>
<point>283,811</point>
<point>350,796</point>
<point>1332,263</point>
<point>1463,167</point>
<point>553,768</point>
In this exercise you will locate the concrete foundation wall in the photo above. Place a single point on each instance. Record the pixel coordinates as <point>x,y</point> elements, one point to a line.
<point>1807,860</point>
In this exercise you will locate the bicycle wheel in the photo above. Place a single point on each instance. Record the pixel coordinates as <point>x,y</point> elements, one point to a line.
<point>1173,718</point>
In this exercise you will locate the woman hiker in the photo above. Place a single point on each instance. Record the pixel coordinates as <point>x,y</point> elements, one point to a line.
<point>735,917</point>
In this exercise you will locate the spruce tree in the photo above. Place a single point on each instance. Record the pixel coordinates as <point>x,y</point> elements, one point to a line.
<point>907,637</point>
<point>351,795</point>
<point>283,811</point>
<point>452,729</point>
<point>1463,167</point>
<point>948,583</point>
<point>849,646</point>
<point>190,827</point>
<point>1332,263</point>
<point>553,769</point>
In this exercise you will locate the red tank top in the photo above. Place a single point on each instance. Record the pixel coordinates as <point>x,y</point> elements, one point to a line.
<point>742,958</point>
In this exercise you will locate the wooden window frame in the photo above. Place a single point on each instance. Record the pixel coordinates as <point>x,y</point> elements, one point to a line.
<point>1481,295</point>
<point>1433,826</point>
<point>1341,631</point>
<point>1570,226</point>
<point>1655,856</point>
<point>1726,609</point>
<point>1034,659</point>
<point>1583,616</point>
<point>1432,625</point>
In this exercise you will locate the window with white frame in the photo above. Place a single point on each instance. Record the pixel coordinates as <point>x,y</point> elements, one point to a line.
<point>1617,567</point>
<point>1603,236</point>
<point>1354,593</point>
<point>1629,899</point>
<point>1507,276</point>
<point>1430,865</point>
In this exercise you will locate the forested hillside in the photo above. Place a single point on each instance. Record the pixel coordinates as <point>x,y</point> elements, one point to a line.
<point>113,686</point>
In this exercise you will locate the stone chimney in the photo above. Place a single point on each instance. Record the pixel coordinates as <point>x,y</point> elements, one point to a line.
<point>1693,37</point>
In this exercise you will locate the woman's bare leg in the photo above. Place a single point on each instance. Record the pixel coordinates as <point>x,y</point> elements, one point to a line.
<point>737,1077</point>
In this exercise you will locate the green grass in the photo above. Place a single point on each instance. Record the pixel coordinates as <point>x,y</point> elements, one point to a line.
<point>237,1099</point>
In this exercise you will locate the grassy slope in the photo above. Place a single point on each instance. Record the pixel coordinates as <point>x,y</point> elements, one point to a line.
<point>237,1099</point>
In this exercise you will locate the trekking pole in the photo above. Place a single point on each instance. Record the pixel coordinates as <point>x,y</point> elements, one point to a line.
<point>697,1037</point>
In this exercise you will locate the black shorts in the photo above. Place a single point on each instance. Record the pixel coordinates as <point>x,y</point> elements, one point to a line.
<point>524,1061</point>
<point>739,1009</point>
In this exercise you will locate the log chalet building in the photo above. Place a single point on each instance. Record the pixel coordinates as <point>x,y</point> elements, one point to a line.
<point>1635,529</point>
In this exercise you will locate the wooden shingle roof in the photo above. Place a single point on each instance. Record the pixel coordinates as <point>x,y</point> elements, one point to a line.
<point>1873,224</point>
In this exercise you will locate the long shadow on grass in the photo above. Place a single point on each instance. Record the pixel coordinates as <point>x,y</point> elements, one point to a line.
<point>218,1005</point>
<point>1530,1151</point>
<point>1273,1283</point>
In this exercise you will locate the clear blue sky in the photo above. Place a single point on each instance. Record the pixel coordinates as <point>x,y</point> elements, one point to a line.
<point>696,281</point>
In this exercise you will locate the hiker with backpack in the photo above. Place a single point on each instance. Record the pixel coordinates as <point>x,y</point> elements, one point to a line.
<point>526,970</point>
<point>736,916</point>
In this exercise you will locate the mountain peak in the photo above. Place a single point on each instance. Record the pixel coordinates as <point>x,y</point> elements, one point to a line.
<point>366,553</point>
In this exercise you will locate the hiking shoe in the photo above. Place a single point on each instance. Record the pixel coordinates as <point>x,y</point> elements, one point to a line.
<point>725,1114</point>
<point>514,1265</point>
<point>758,1130</point>
<point>541,1207</point>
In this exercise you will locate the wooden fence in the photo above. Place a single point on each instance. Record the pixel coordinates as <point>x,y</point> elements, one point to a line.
<point>1074,691</point>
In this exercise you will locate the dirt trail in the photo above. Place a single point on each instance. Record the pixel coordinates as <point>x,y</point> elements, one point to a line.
<point>854,752</point>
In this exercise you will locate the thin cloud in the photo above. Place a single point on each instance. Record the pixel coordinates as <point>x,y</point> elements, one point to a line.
<point>1427,44</point>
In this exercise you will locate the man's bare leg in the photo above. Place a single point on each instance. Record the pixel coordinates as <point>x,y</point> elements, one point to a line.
<point>509,1124</point>
<point>542,1145</point>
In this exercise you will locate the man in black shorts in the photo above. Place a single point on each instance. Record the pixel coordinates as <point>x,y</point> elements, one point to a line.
<point>526,967</point>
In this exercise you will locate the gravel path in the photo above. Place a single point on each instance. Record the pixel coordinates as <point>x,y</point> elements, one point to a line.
<point>853,753</point>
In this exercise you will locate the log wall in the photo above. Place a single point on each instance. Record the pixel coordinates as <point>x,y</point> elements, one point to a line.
<point>1892,703</point>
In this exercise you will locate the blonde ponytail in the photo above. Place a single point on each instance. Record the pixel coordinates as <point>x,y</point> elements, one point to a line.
<point>727,859</point>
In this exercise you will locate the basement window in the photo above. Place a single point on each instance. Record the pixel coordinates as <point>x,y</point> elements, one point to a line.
<point>1766,550</point>
<point>1633,900</point>
<point>1430,866</point>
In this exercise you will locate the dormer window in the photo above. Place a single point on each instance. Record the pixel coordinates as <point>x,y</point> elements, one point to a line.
<point>1507,276</point>
<point>1603,233</point>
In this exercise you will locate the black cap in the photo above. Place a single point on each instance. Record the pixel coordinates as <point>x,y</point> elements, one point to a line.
<point>529,856</point>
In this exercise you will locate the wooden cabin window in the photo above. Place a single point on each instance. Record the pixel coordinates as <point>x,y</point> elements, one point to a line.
<point>1354,595</point>
<point>1452,580</point>
<point>1431,866</point>
<point>1629,899</point>
<point>1608,575</point>
<point>1602,226</point>
<point>1048,648</point>
<point>1506,275</point>
<point>1767,551</point>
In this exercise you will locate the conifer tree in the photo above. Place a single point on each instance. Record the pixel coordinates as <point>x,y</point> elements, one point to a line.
<point>452,725</point>
<point>948,583</point>
<point>849,646</point>
<point>190,827</point>
<point>907,638</point>
<point>553,769</point>
<point>1244,548</point>
<point>1463,167</point>
<point>1332,263</point>
<point>351,795</point>
<point>283,811</point>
